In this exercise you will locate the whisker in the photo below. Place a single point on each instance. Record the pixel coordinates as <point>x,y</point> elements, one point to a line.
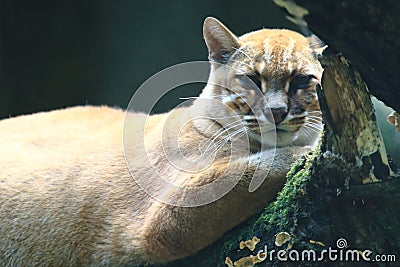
<point>243,53</point>
<point>240,134</point>
<point>227,117</point>
<point>313,128</point>
<point>219,95</point>
<point>216,146</point>
<point>306,133</point>
<point>229,127</point>
<point>226,130</point>
<point>187,98</point>
<point>230,136</point>
<point>313,116</point>
<point>309,130</point>
<point>223,129</point>
<point>215,136</point>
<point>241,62</point>
<point>313,123</point>
<point>197,97</point>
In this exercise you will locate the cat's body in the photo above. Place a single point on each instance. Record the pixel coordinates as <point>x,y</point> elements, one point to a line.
<point>68,198</point>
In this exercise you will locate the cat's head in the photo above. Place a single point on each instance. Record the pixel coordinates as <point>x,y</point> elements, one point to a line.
<point>271,84</point>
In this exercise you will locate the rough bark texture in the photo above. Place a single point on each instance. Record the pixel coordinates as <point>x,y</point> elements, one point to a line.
<point>352,134</point>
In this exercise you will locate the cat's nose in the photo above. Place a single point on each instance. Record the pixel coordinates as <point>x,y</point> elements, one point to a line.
<point>278,115</point>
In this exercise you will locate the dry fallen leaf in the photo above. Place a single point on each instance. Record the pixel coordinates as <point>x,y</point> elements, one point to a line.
<point>282,238</point>
<point>317,243</point>
<point>250,244</point>
<point>228,262</point>
<point>394,119</point>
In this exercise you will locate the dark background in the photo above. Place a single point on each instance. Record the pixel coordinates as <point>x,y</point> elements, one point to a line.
<point>59,53</point>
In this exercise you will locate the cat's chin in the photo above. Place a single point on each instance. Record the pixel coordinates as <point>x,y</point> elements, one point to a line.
<point>285,138</point>
<point>270,140</point>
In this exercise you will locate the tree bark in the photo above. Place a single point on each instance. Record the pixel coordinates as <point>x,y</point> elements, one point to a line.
<point>352,137</point>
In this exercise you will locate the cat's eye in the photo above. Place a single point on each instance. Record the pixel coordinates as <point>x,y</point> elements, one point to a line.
<point>249,81</point>
<point>301,82</point>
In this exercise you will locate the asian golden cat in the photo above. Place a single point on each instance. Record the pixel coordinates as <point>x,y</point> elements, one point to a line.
<point>68,198</point>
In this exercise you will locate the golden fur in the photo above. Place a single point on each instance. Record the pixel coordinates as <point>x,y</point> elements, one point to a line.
<point>67,197</point>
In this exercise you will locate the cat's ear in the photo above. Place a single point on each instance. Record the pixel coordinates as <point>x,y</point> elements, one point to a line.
<point>316,44</point>
<point>220,41</point>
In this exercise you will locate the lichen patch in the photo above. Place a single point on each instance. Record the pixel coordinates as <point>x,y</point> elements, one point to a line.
<point>250,244</point>
<point>282,238</point>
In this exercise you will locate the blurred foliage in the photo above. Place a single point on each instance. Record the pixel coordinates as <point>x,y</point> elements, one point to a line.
<point>390,136</point>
